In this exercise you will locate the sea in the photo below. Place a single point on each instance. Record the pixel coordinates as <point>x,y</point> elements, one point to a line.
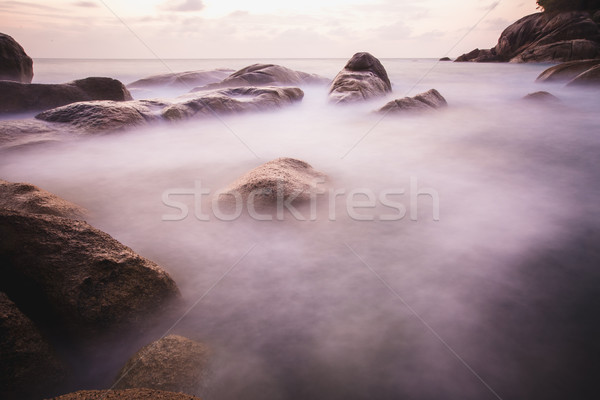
<point>453,254</point>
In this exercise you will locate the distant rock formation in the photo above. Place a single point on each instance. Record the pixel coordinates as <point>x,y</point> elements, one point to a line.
<point>430,100</point>
<point>15,64</point>
<point>187,79</point>
<point>363,77</point>
<point>544,37</point>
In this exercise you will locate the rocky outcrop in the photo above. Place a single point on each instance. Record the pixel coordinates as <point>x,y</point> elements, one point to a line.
<point>188,79</point>
<point>20,97</point>
<point>445,59</point>
<point>29,367</point>
<point>542,97</point>
<point>128,394</point>
<point>15,64</point>
<point>544,37</point>
<point>173,363</point>
<point>72,277</point>
<point>586,78</point>
<point>258,75</point>
<point>564,72</point>
<point>27,198</point>
<point>363,77</point>
<point>234,100</point>
<point>430,100</point>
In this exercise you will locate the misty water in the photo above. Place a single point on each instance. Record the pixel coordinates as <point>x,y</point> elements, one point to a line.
<point>498,298</point>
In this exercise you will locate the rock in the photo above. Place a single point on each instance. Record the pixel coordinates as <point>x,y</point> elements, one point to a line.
<point>430,100</point>
<point>105,116</point>
<point>73,278</point>
<point>187,79</point>
<point>233,100</point>
<point>362,78</point>
<point>589,77</point>
<point>280,179</point>
<point>258,75</point>
<point>15,134</point>
<point>542,97</point>
<point>445,59</point>
<point>566,71</point>
<point>15,65</point>
<point>544,37</point>
<point>128,394</point>
<point>21,97</point>
<point>30,199</point>
<point>173,363</point>
<point>29,367</point>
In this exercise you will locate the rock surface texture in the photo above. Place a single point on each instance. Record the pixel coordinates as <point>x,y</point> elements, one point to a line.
<point>566,71</point>
<point>188,79</point>
<point>15,64</point>
<point>127,394</point>
<point>31,199</point>
<point>587,78</point>
<point>363,78</point>
<point>430,100</point>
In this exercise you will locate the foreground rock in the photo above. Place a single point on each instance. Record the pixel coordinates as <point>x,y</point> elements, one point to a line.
<point>427,101</point>
<point>173,363</point>
<point>20,97</point>
<point>27,198</point>
<point>566,71</point>
<point>188,79</point>
<point>29,367</point>
<point>72,277</point>
<point>277,180</point>
<point>128,394</point>
<point>586,78</point>
<point>15,64</point>
<point>234,100</point>
<point>362,78</point>
<point>544,37</point>
<point>258,75</point>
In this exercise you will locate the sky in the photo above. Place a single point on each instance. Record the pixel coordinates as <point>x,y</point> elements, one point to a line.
<point>257,28</point>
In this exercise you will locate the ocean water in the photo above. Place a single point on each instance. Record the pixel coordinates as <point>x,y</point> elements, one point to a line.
<point>480,281</point>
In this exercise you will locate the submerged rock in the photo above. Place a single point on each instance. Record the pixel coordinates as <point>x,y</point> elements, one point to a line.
<point>187,79</point>
<point>430,100</point>
<point>20,97</point>
<point>566,71</point>
<point>127,394</point>
<point>542,97</point>
<point>362,78</point>
<point>15,64</point>
<point>589,77</point>
<point>445,59</point>
<point>258,75</point>
<point>173,363</point>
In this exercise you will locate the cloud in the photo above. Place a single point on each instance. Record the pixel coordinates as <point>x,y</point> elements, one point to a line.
<point>85,4</point>
<point>20,4</point>
<point>183,5</point>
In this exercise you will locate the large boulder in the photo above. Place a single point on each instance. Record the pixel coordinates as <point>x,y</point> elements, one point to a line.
<point>15,64</point>
<point>430,100</point>
<point>20,97</point>
<point>265,75</point>
<point>233,100</point>
<point>566,71</point>
<point>588,77</point>
<point>29,367</point>
<point>127,394</point>
<point>173,363</point>
<point>71,277</point>
<point>187,79</point>
<point>362,78</point>
<point>544,37</point>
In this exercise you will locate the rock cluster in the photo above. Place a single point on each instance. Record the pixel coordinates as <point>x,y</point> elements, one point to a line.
<point>430,100</point>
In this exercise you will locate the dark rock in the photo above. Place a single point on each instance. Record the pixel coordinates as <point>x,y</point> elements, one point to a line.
<point>173,363</point>
<point>589,77</point>
<point>29,367</point>
<point>430,100</point>
<point>445,59</point>
<point>187,79</point>
<point>68,276</point>
<point>258,75</point>
<point>233,100</point>
<point>15,65</point>
<point>127,394</point>
<point>542,97</point>
<point>21,97</point>
<point>362,78</point>
<point>566,71</point>
<point>15,134</point>
<point>479,55</point>
<point>566,50</point>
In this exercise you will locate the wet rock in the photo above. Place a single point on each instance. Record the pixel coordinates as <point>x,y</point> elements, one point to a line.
<point>542,97</point>
<point>173,363</point>
<point>15,64</point>
<point>258,75</point>
<point>587,78</point>
<point>20,97</point>
<point>479,55</point>
<point>16,134</point>
<point>362,78</point>
<point>565,50</point>
<point>29,367</point>
<point>188,79</point>
<point>430,100</point>
<point>564,72</point>
<point>127,394</point>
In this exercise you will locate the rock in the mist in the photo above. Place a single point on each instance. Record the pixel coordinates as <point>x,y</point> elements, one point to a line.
<point>21,97</point>
<point>258,75</point>
<point>188,79</point>
<point>233,100</point>
<point>27,198</point>
<point>542,97</point>
<point>76,279</point>
<point>15,64</point>
<point>445,59</point>
<point>280,179</point>
<point>173,363</point>
<point>29,367</point>
<point>566,71</point>
<point>430,100</point>
<point>127,394</point>
<point>363,77</point>
<point>586,78</point>
<point>16,134</point>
